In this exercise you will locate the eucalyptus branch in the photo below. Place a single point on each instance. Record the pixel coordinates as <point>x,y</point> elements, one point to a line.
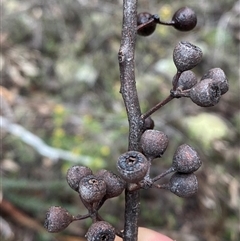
<point>130,98</point>
<point>144,142</point>
<point>127,73</point>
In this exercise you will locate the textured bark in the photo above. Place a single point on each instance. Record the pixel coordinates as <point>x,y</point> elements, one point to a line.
<point>130,97</point>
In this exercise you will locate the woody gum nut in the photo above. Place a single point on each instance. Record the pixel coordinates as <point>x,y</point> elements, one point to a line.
<point>148,124</point>
<point>147,30</point>
<point>57,219</point>
<point>153,143</point>
<point>75,174</point>
<point>187,80</point>
<point>115,184</point>
<point>219,76</point>
<point>100,231</point>
<point>132,166</point>
<point>92,189</point>
<point>183,185</point>
<point>186,56</point>
<point>184,19</point>
<point>206,93</point>
<point>186,159</point>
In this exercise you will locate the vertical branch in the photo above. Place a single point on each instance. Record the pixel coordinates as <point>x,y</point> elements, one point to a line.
<point>130,97</point>
<point>127,73</point>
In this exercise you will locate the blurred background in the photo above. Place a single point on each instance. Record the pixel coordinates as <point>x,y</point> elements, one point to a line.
<point>60,106</point>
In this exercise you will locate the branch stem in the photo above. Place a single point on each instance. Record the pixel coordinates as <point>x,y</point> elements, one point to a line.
<point>157,107</point>
<point>171,169</point>
<point>175,80</point>
<point>129,93</point>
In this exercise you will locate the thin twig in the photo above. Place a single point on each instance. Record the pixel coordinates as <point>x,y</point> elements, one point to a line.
<point>157,20</point>
<point>171,169</point>
<point>81,217</point>
<point>175,80</point>
<point>157,107</point>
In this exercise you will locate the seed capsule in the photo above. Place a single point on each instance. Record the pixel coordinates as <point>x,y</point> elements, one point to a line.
<point>153,143</point>
<point>57,219</point>
<point>148,29</point>
<point>92,189</point>
<point>132,166</point>
<point>75,174</point>
<point>183,185</point>
<point>206,93</point>
<point>187,80</point>
<point>218,75</point>
<point>184,19</point>
<point>100,231</point>
<point>186,159</point>
<point>186,56</point>
<point>115,184</point>
<point>148,124</point>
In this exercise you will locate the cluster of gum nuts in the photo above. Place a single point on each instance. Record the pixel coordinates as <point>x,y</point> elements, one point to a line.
<point>186,56</point>
<point>134,174</point>
<point>134,166</point>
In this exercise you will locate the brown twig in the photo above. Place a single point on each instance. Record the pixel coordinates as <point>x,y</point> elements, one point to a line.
<point>130,97</point>
<point>175,80</point>
<point>157,107</point>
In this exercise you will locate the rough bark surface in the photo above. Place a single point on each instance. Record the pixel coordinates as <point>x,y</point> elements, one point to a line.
<point>130,97</point>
